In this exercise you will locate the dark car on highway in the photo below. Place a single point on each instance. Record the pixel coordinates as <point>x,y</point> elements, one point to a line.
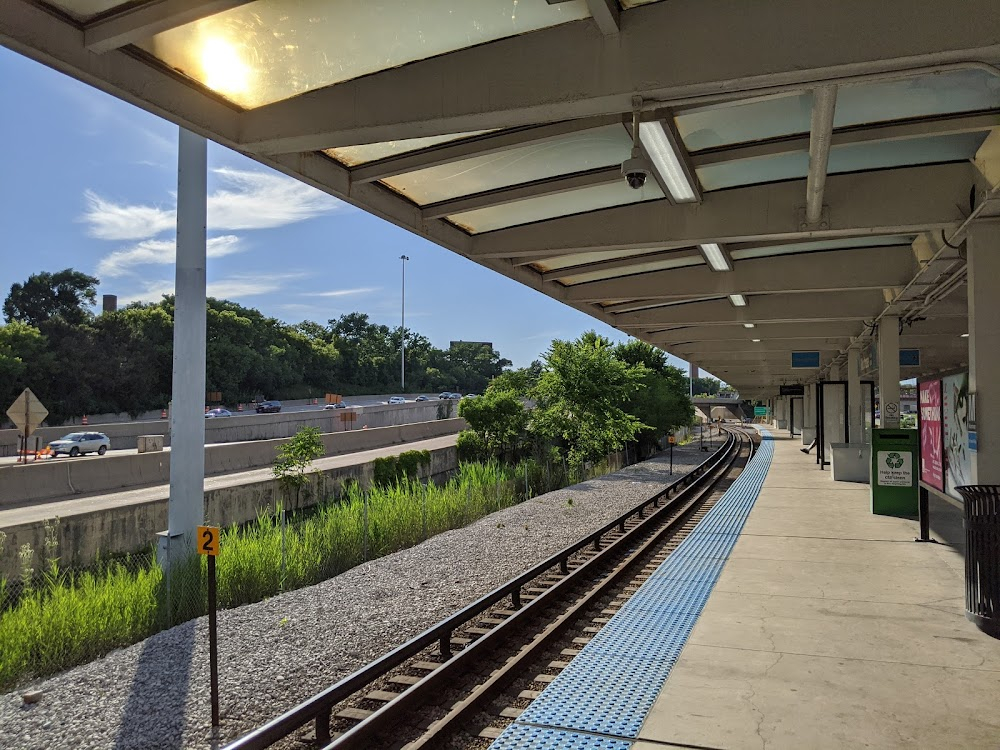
<point>268,407</point>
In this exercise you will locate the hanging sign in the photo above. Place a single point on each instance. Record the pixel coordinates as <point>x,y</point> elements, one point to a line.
<point>805,360</point>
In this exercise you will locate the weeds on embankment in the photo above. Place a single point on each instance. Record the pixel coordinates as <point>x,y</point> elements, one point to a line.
<point>59,618</point>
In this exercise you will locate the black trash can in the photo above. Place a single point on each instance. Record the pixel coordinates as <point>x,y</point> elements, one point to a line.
<point>982,556</point>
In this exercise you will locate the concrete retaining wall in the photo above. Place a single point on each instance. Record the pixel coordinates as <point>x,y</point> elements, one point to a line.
<point>133,527</point>
<point>245,427</point>
<point>63,477</point>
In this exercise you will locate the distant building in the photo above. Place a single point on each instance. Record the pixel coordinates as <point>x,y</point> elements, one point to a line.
<point>109,303</point>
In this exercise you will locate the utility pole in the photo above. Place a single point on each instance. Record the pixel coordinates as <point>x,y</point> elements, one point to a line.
<point>402,331</point>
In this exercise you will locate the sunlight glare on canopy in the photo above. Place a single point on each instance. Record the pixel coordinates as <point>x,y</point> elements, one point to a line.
<point>222,67</point>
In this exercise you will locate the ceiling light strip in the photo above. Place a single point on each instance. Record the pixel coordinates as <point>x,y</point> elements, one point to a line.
<point>666,161</point>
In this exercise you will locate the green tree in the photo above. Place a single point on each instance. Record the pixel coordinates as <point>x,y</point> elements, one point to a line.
<point>47,295</point>
<point>581,398</point>
<point>662,403</point>
<point>499,419</point>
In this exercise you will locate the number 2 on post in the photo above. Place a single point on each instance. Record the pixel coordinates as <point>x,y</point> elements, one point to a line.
<point>208,540</point>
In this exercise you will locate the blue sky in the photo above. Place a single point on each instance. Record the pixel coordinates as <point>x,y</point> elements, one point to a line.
<point>89,182</point>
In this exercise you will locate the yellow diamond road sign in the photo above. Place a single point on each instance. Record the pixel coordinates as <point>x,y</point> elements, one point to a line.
<point>27,412</point>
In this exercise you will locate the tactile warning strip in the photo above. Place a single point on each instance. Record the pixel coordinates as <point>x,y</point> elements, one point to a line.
<point>609,688</point>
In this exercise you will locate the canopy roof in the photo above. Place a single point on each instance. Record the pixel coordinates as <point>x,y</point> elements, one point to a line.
<point>813,163</point>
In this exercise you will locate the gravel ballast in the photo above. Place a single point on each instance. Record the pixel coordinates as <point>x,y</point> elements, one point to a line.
<point>276,653</point>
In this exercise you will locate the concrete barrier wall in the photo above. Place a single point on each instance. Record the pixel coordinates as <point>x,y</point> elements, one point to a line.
<point>133,527</point>
<point>245,427</point>
<point>63,477</point>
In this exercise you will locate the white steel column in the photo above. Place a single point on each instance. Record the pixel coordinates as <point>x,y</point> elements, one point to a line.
<point>984,347</point>
<point>809,414</point>
<point>186,509</point>
<point>888,371</point>
<point>855,421</point>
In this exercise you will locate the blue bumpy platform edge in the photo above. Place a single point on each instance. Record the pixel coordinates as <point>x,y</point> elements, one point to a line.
<point>601,699</point>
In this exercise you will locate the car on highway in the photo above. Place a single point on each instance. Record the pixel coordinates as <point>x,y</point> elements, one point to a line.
<point>444,396</point>
<point>215,413</point>
<point>268,407</point>
<point>340,405</point>
<point>471,395</point>
<point>80,444</point>
<point>396,400</point>
<point>421,398</point>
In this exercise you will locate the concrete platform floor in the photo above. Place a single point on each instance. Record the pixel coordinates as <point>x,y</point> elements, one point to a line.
<point>830,628</point>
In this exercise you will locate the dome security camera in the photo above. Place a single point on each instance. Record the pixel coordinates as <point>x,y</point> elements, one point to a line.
<point>635,171</point>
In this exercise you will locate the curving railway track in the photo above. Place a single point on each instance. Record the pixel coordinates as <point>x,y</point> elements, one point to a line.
<point>460,682</point>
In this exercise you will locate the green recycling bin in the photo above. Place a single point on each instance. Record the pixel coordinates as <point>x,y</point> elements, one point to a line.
<point>894,472</point>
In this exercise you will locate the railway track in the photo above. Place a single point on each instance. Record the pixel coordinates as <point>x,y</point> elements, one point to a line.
<point>461,681</point>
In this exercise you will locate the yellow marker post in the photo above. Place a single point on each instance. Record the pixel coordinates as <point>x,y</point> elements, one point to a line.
<point>671,440</point>
<point>208,544</point>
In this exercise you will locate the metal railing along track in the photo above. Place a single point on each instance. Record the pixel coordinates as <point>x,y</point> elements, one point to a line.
<point>319,708</point>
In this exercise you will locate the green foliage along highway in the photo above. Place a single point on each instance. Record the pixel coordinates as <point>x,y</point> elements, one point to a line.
<point>80,363</point>
<point>590,398</point>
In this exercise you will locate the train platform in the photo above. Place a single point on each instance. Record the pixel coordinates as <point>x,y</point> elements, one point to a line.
<point>791,618</point>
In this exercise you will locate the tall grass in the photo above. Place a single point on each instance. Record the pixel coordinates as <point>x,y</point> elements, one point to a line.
<point>63,618</point>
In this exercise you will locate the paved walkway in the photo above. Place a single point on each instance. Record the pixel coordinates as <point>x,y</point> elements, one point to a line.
<point>830,628</point>
<point>63,509</point>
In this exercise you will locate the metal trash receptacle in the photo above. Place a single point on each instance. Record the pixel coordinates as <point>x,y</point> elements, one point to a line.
<point>982,556</point>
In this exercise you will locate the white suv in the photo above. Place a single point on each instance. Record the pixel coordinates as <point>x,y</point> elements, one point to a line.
<point>81,443</point>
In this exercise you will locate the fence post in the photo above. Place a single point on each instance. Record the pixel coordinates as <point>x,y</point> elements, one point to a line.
<point>423,511</point>
<point>364,543</point>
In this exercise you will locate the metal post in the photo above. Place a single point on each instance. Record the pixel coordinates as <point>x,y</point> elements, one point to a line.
<point>923,508</point>
<point>364,542</point>
<point>186,508</point>
<point>402,330</point>
<point>671,459</point>
<point>213,645</point>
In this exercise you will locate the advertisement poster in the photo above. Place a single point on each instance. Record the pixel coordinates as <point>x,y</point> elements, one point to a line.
<point>931,439</point>
<point>957,457</point>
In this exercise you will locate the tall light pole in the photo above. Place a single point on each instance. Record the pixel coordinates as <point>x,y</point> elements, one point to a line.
<point>402,330</point>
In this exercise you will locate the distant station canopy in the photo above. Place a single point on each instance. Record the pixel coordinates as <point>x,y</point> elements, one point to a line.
<point>728,189</point>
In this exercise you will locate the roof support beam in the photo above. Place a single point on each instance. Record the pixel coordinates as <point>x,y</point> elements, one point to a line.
<point>606,15</point>
<point>470,147</point>
<point>830,271</point>
<point>536,77</point>
<point>824,104</point>
<point>143,21</point>
<point>943,125</point>
<point>703,349</point>
<point>892,201</point>
<point>770,331</point>
<point>691,257</point>
<point>563,184</point>
<point>772,308</point>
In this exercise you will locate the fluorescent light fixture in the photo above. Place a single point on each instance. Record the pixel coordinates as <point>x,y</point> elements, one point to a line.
<point>756,341</point>
<point>748,325</point>
<point>964,336</point>
<point>665,160</point>
<point>716,257</point>
<point>738,300</point>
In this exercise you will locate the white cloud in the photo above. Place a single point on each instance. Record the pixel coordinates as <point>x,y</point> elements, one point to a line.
<point>247,200</point>
<point>112,221</point>
<point>346,292</point>
<point>161,252</point>
<point>264,200</point>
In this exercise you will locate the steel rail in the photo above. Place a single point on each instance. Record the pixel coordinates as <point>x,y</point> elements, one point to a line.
<point>319,707</point>
<point>501,679</point>
<point>388,717</point>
